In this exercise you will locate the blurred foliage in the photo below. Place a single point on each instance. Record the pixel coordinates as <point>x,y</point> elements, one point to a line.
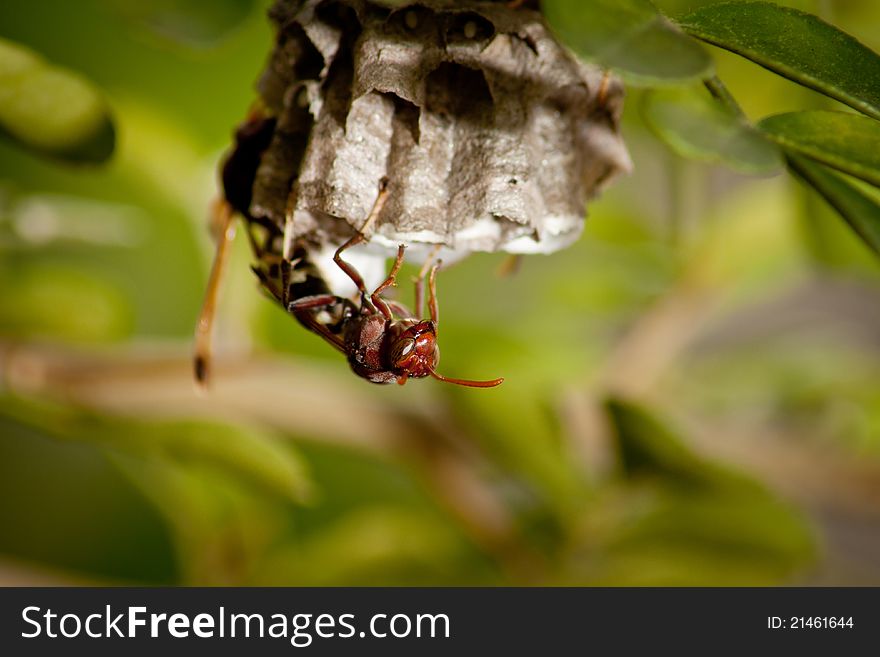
<point>735,308</point>
<point>701,518</point>
<point>193,24</point>
<point>630,36</point>
<point>50,109</point>
<point>787,41</point>
<point>696,126</point>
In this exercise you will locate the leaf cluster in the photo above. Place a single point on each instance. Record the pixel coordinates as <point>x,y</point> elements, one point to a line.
<point>834,152</point>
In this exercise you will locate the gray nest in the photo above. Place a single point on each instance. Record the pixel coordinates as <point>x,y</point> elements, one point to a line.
<point>491,134</point>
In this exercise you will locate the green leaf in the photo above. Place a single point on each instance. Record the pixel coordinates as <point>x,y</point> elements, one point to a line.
<point>696,126</point>
<point>796,45</point>
<point>52,110</point>
<point>512,424</point>
<point>860,211</point>
<point>193,23</point>
<point>648,447</point>
<point>250,454</point>
<point>62,303</point>
<point>245,453</point>
<point>631,37</point>
<point>67,507</point>
<point>687,539</point>
<point>727,527</point>
<point>848,142</point>
<point>373,546</point>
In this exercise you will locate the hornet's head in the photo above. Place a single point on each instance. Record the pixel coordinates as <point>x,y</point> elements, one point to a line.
<point>412,353</point>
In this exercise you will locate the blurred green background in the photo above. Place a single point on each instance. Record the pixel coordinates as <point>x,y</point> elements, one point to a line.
<point>692,393</point>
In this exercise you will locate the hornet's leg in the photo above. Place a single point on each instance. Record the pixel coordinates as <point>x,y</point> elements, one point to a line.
<point>602,94</point>
<point>305,310</point>
<point>510,265</point>
<point>420,279</point>
<point>225,234</point>
<point>398,309</point>
<point>378,301</point>
<point>311,303</point>
<point>360,237</point>
<point>432,294</point>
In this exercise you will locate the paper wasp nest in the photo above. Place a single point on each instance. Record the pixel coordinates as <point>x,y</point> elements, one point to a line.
<point>492,136</point>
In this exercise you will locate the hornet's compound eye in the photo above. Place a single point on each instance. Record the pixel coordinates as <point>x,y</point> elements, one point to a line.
<point>402,350</point>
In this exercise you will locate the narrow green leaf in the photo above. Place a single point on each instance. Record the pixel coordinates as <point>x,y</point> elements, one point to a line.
<point>694,125</point>
<point>683,538</point>
<point>52,110</point>
<point>725,525</point>
<point>374,545</point>
<point>250,454</point>
<point>61,303</point>
<point>245,453</point>
<point>859,210</point>
<point>848,142</point>
<point>193,23</point>
<point>648,447</point>
<point>67,508</point>
<point>512,424</point>
<point>796,45</point>
<point>631,37</point>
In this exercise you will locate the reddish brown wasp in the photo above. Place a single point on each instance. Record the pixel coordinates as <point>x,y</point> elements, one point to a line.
<point>383,341</point>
